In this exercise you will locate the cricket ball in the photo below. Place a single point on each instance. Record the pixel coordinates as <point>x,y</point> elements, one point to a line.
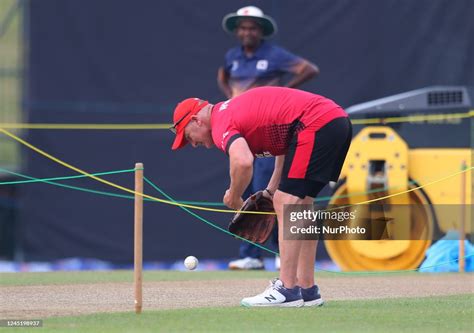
<point>191,262</point>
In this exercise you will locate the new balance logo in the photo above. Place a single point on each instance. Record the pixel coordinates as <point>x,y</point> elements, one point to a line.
<point>270,298</point>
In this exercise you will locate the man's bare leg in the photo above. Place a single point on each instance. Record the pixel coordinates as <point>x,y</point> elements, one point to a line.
<point>306,259</point>
<point>289,249</point>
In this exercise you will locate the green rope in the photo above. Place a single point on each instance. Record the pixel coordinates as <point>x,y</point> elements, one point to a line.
<point>319,199</point>
<point>206,221</point>
<point>276,253</point>
<point>399,271</point>
<point>201,203</point>
<point>49,181</point>
<point>73,187</point>
<point>36,180</point>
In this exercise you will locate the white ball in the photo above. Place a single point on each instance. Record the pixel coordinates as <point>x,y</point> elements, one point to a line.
<point>191,262</point>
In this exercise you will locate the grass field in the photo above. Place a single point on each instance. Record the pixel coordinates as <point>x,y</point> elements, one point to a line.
<point>451,313</point>
<point>49,278</point>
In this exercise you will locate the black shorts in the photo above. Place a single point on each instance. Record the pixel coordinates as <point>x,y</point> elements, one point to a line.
<point>315,157</point>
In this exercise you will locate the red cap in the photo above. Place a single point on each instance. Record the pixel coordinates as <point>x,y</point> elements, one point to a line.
<point>182,115</point>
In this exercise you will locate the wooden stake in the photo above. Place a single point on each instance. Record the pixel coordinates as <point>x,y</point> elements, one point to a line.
<point>138,238</point>
<point>462,224</point>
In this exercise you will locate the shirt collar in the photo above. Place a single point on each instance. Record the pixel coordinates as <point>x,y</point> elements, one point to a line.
<point>260,49</point>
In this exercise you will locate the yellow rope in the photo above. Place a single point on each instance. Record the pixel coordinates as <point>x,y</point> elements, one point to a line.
<point>86,126</point>
<point>11,135</point>
<point>413,118</point>
<point>407,191</point>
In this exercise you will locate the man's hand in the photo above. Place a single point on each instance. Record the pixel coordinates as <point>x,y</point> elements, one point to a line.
<point>232,201</point>
<point>268,194</point>
<point>303,71</point>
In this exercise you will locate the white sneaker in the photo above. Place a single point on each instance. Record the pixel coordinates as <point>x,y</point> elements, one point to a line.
<point>277,263</point>
<point>276,295</point>
<point>246,264</point>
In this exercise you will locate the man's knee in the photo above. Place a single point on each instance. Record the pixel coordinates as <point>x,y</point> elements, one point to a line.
<point>282,198</point>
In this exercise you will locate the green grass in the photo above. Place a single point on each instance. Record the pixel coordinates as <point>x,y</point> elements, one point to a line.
<point>433,314</point>
<point>430,314</point>
<point>123,276</point>
<point>51,278</point>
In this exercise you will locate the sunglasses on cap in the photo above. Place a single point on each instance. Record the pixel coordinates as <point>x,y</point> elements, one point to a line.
<point>173,128</point>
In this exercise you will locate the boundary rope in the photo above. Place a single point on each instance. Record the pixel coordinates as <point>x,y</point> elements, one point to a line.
<point>57,160</point>
<point>202,203</point>
<point>48,180</point>
<point>276,253</point>
<point>368,121</point>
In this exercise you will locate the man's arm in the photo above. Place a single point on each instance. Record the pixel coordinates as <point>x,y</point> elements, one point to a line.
<point>241,169</point>
<point>276,176</point>
<point>303,71</point>
<point>223,82</point>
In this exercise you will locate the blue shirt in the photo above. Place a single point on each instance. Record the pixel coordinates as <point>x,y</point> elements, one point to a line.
<point>265,67</point>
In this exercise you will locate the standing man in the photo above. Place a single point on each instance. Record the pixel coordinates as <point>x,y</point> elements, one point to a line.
<point>255,63</point>
<point>309,135</point>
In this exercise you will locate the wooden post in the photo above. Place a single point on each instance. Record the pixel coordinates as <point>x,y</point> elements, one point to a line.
<point>462,223</point>
<point>138,238</point>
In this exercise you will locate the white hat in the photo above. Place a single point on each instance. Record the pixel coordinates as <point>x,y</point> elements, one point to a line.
<point>269,27</point>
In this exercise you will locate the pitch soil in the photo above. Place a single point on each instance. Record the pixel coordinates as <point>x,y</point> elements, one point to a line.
<point>36,302</point>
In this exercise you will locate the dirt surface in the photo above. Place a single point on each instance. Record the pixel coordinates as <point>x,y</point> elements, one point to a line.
<point>37,302</point>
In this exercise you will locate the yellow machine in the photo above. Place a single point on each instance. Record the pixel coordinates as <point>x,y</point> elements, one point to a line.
<point>414,144</point>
